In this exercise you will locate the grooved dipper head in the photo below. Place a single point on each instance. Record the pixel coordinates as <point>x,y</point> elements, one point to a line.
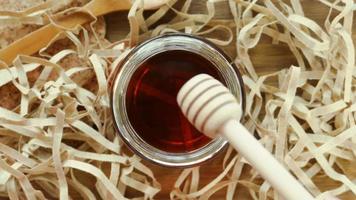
<point>208,104</point>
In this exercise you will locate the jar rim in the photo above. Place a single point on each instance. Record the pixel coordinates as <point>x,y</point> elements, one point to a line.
<point>131,63</point>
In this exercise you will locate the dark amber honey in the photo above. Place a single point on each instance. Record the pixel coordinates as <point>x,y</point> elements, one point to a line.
<point>151,100</point>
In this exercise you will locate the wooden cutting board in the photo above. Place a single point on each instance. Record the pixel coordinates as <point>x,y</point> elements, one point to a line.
<point>266,58</point>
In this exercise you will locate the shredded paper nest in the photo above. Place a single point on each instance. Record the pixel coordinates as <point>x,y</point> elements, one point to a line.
<point>55,122</point>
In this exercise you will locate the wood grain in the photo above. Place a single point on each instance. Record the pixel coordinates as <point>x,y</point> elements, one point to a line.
<point>266,58</point>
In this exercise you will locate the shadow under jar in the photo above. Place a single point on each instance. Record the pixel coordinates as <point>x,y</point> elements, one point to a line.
<point>143,98</point>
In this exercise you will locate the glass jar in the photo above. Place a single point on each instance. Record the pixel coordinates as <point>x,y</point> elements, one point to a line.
<point>120,90</point>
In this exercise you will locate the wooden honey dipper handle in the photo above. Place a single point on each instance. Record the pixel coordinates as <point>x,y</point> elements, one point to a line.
<point>40,38</point>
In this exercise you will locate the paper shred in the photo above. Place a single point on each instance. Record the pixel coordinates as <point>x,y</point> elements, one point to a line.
<point>61,128</point>
<point>31,15</point>
<point>57,137</point>
<point>88,168</point>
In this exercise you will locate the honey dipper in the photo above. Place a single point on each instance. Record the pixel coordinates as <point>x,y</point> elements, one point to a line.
<point>214,111</point>
<point>38,39</point>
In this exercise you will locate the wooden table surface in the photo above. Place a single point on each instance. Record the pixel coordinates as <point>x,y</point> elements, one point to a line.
<point>266,58</point>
